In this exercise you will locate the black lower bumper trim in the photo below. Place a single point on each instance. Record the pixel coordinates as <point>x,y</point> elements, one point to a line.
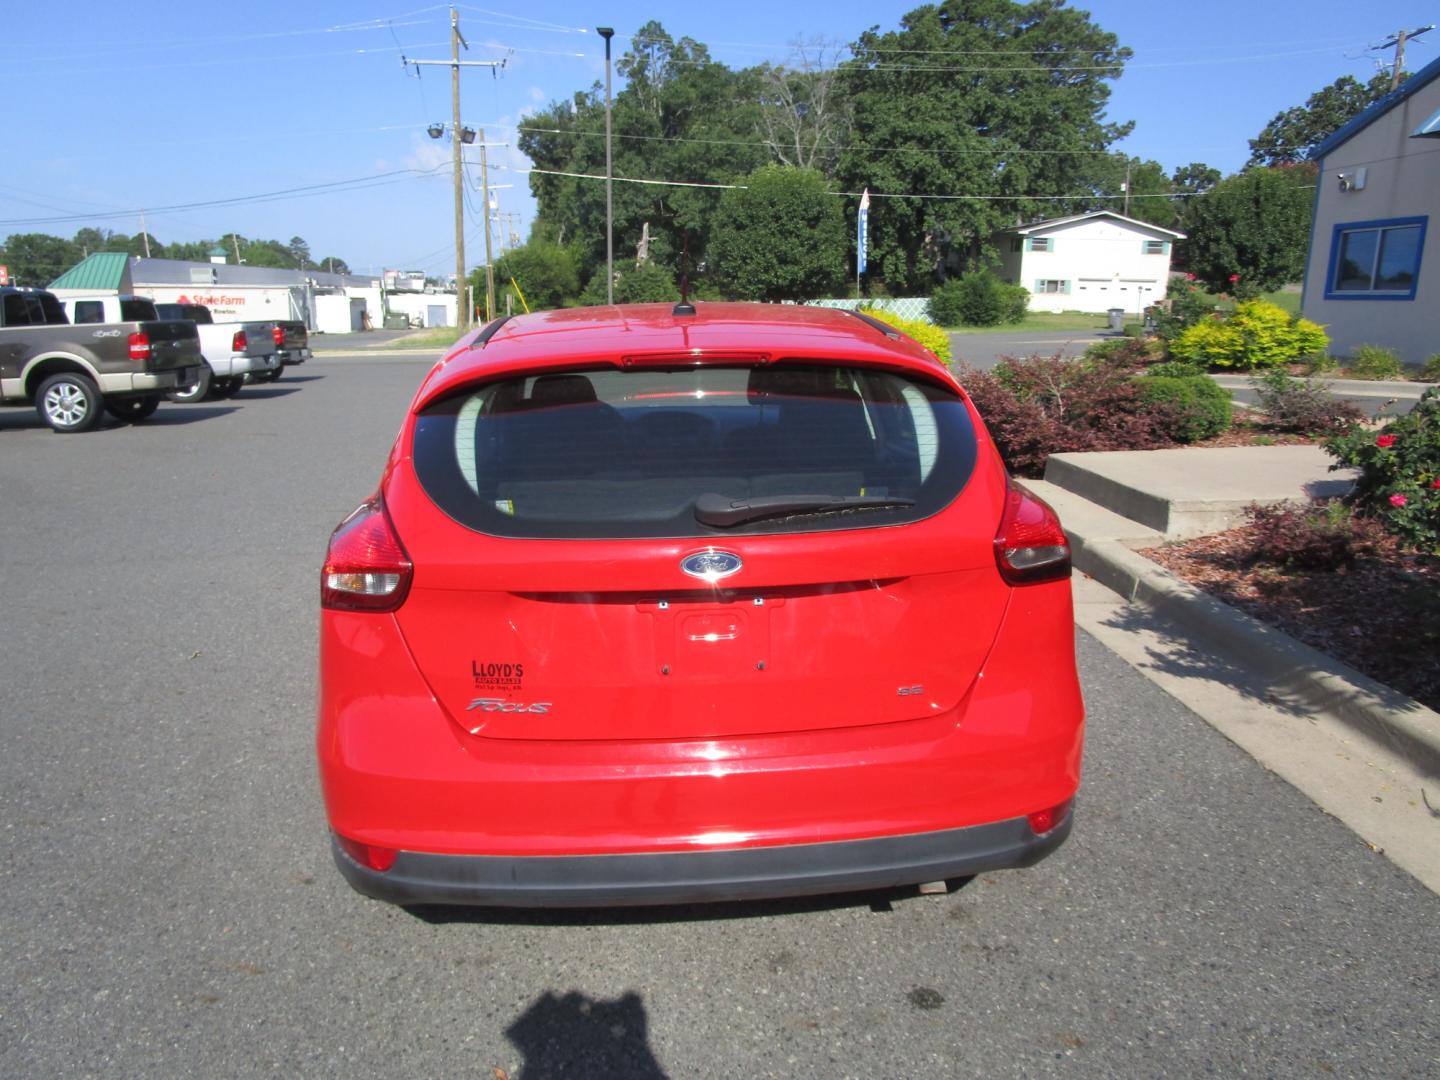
<point>699,876</point>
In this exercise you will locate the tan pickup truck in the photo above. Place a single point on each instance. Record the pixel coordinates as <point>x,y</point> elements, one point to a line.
<point>74,374</point>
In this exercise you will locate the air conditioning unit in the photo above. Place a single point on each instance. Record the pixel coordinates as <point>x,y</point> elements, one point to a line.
<point>1352,179</point>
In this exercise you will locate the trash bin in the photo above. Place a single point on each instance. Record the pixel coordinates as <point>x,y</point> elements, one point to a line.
<point>1117,319</point>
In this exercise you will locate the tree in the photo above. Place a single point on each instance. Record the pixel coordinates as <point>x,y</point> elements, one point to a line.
<point>36,259</point>
<point>546,272</point>
<point>782,237</point>
<point>332,265</point>
<point>804,115</point>
<point>989,98</point>
<point>299,252</point>
<point>680,117</point>
<point>1256,225</point>
<point>1293,133</point>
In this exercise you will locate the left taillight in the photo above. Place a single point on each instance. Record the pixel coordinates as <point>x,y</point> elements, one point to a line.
<point>366,568</point>
<point>139,345</point>
<point>1030,545</point>
<point>239,342</point>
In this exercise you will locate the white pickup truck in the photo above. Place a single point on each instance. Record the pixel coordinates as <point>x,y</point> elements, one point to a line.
<point>233,350</point>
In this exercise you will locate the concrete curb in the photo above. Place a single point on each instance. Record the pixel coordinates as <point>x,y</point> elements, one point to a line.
<point>1293,668</point>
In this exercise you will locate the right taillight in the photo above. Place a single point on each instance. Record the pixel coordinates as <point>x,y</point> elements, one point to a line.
<point>366,568</point>
<point>239,342</point>
<point>1030,546</point>
<point>278,333</point>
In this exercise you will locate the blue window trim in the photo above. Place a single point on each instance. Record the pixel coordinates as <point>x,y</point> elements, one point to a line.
<point>1343,227</point>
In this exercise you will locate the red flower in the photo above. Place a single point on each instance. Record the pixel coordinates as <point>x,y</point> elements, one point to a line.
<point>1234,278</point>
<point>1385,441</point>
<point>1189,277</point>
<point>1398,500</point>
<point>1435,484</point>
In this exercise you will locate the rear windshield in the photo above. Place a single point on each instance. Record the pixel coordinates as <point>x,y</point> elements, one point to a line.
<point>138,311</point>
<point>694,452</point>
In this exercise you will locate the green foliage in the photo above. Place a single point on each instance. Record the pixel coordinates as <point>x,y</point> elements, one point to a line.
<point>1293,133</point>
<point>958,131</point>
<point>1321,364</point>
<point>648,284</point>
<point>1130,352</point>
<point>678,115</point>
<point>1399,472</point>
<point>1251,232</point>
<point>1258,335</point>
<point>1323,535</point>
<point>1201,407</point>
<point>1302,406</point>
<point>1179,369</point>
<point>36,260</point>
<point>781,237</point>
<point>1430,370</point>
<point>1186,306</point>
<point>927,334</point>
<point>979,298</point>
<point>544,270</point>
<point>1375,362</point>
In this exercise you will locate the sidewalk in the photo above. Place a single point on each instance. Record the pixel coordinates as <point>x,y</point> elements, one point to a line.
<point>1114,503</point>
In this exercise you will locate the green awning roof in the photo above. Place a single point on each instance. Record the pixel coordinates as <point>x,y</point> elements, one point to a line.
<point>105,271</point>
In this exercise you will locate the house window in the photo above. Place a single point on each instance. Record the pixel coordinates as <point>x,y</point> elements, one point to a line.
<point>1041,243</point>
<point>1376,260</point>
<point>1157,247</point>
<point>1051,285</point>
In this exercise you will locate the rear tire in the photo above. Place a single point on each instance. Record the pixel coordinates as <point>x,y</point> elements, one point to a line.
<point>132,410</point>
<point>69,402</point>
<point>227,387</point>
<point>199,392</point>
<point>271,375</point>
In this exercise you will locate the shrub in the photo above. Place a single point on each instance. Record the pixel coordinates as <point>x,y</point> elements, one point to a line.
<point>1302,406</point>
<point>1128,351</point>
<point>1185,306</point>
<point>1177,368</point>
<point>927,334</point>
<point>1258,335</point>
<point>979,299</point>
<point>1375,362</point>
<point>1201,407</point>
<point>1133,329</point>
<point>1040,406</point>
<point>1399,472</point>
<point>1322,535</point>
<point>647,284</point>
<point>1430,370</point>
<point>1321,364</point>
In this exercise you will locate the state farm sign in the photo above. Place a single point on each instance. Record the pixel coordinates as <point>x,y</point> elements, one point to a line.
<point>214,300</point>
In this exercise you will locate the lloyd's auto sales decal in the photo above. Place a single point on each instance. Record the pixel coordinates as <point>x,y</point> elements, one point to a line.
<point>497,677</point>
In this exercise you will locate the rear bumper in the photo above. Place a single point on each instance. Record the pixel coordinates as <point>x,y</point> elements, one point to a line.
<point>242,365</point>
<point>290,357</point>
<point>148,381</point>
<point>702,876</point>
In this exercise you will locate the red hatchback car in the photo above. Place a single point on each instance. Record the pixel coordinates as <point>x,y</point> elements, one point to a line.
<point>709,602</point>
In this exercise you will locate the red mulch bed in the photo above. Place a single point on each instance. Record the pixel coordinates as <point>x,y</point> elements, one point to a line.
<point>1381,615</point>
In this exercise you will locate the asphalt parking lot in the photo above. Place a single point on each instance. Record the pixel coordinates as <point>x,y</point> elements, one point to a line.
<point>169,905</point>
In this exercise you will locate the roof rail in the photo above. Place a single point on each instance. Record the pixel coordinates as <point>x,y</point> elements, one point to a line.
<point>489,331</point>
<point>885,328</point>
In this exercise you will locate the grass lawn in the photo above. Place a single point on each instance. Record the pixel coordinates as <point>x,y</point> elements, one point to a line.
<point>1043,320</point>
<point>1290,301</point>
<point>438,338</point>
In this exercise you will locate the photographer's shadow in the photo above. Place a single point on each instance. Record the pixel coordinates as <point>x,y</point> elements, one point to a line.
<point>577,1036</point>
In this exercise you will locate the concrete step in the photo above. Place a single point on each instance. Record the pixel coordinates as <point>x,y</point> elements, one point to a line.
<point>1188,492</point>
<point>1086,522</point>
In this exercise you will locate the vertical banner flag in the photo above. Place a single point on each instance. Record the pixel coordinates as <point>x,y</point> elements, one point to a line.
<point>862,234</point>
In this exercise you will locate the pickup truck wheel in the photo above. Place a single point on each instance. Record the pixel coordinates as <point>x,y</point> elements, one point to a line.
<point>133,409</point>
<point>227,387</point>
<point>69,402</point>
<point>199,392</point>
<point>273,375</point>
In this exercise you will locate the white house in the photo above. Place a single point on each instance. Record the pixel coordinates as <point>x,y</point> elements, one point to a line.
<point>1088,262</point>
<point>1378,187</point>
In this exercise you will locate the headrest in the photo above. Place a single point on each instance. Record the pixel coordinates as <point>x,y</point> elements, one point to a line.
<point>562,390</point>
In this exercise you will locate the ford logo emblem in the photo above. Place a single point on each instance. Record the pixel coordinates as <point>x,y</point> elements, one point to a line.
<point>711,566</point>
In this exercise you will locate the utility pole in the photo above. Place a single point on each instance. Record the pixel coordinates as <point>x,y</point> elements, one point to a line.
<point>1398,44</point>
<point>1126,189</point>
<point>607,32</point>
<point>489,257</point>
<point>462,292</point>
<point>145,233</point>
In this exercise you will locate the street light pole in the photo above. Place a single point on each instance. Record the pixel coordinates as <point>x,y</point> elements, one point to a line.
<point>462,306</point>
<point>607,32</point>
<point>489,257</point>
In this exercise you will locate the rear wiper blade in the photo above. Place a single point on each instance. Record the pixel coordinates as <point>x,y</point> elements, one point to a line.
<point>722,511</point>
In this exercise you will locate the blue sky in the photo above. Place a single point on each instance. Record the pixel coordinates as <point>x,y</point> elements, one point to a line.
<point>116,108</point>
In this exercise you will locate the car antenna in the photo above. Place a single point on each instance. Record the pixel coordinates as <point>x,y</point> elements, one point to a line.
<point>684,307</point>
